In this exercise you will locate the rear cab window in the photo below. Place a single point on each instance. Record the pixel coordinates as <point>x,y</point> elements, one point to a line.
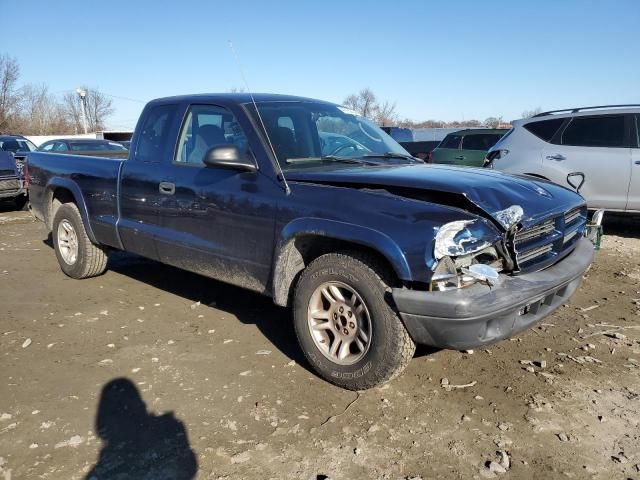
<point>154,139</point>
<point>597,131</point>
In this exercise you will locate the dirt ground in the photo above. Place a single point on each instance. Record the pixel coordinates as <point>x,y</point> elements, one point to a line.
<point>152,372</point>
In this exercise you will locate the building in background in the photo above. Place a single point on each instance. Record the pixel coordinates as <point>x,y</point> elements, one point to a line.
<point>114,135</point>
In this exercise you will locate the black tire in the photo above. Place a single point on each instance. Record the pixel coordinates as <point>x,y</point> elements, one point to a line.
<point>91,259</point>
<point>390,348</point>
<point>21,202</point>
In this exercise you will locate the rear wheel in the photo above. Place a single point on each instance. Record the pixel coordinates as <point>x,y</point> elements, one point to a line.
<point>346,328</point>
<point>77,256</point>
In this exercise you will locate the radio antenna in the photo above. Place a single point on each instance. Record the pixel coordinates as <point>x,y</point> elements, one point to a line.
<point>264,128</point>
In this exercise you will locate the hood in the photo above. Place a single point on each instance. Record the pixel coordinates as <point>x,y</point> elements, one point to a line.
<point>481,191</point>
<point>7,164</point>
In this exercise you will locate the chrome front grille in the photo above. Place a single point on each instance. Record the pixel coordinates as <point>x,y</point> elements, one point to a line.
<point>546,242</point>
<point>535,253</point>
<point>537,231</point>
<point>572,215</point>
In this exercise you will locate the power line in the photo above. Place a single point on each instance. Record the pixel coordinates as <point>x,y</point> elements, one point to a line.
<point>124,98</point>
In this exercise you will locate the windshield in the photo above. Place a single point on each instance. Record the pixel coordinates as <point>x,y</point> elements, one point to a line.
<point>17,145</point>
<point>308,133</point>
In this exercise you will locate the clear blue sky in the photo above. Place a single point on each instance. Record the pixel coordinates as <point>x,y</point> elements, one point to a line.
<point>436,60</point>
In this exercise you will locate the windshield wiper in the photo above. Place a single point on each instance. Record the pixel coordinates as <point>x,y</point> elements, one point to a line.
<point>331,158</point>
<point>394,155</point>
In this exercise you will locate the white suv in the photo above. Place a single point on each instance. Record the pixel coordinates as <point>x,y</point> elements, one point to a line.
<point>600,145</point>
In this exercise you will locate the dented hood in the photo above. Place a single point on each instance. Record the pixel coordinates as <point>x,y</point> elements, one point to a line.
<point>482,191</point>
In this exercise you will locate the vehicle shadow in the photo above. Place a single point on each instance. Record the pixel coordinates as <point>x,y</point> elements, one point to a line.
<point>8,205</point>
<point>622,225</point>
<point>250,308</point>
<point>136,443</point>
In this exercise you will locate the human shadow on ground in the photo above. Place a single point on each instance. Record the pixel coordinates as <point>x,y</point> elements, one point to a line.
<point>136,443</point>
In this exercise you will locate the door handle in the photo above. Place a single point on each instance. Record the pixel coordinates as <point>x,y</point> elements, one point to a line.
<point>556,156</point>
<point>460,157</point>
<point>637,162</point>
<point>167,188</point>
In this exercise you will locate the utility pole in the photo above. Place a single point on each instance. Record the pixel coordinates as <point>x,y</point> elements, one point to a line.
<point>83,107</point>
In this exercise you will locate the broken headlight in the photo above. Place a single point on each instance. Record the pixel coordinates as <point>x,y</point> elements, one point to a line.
<point>465,254</point>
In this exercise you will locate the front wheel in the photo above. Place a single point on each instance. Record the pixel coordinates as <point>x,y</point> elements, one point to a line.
<point>77,256</point>
<point>346,328</point>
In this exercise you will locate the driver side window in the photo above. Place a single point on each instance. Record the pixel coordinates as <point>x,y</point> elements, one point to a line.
<point>205,127</point>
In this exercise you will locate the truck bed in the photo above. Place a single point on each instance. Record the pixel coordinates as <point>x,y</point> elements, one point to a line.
<point>91,178</point>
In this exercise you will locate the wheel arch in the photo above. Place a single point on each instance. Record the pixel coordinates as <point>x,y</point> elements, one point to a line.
<point>304,240</point>
<point>60,191</point>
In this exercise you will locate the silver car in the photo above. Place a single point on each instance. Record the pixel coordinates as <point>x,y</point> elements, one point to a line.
<point>598,147</point>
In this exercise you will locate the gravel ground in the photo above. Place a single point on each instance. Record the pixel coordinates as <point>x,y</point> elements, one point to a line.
<point>152,372</point>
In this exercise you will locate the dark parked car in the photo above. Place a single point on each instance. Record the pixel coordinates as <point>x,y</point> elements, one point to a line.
<point>373,250</point>
<point>421,149</point>
<point>467,147</point>
<point>16,143</point>
<point>85,146</point>
<point>13,149</point>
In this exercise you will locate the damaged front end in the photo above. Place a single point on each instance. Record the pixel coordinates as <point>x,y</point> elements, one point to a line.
<point>471,251</point>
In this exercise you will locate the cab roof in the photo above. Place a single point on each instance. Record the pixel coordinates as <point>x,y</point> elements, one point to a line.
<point>238,98</point>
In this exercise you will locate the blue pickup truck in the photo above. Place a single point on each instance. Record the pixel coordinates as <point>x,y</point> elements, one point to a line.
<point>315,206</point>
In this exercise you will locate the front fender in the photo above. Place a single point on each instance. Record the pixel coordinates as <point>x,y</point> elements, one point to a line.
<point>287,260</point>
<point>71,186</point>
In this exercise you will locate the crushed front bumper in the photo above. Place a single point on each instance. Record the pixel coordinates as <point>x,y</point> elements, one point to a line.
<point>479,315</point>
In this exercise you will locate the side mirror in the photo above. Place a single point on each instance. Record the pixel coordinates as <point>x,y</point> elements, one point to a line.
<point>228,156</point>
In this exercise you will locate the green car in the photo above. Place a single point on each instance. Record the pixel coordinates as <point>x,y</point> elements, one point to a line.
<point>467,147</point>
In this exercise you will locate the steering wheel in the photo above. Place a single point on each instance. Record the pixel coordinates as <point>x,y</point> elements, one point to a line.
<point>340,148</point>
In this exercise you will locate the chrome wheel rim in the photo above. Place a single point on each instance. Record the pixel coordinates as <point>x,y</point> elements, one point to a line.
<point>339,323</point>
<point>67,242</point>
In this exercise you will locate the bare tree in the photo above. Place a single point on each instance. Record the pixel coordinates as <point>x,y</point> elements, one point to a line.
<point>531,113</point>
<point>40,113</point>
<point>493,122</point>
<point>98,108</point>
<point>9,96</point>
<point>366,104</point>
<point>385,115</point>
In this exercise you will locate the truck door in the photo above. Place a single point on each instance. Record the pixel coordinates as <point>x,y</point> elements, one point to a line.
<point>140,179</point>
<point>217,221</point>
<point>633,202</point>
<point>598,146</point>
